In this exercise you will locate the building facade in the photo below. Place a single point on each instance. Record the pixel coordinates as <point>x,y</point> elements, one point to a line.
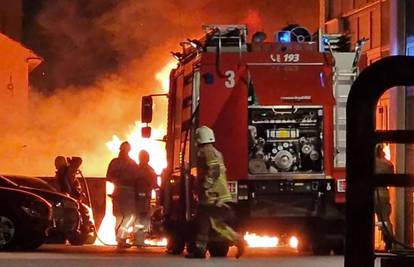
<point>15,65</point>
<point>389,27</point>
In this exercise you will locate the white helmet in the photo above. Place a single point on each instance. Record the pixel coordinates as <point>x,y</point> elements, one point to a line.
<point>204,135</point>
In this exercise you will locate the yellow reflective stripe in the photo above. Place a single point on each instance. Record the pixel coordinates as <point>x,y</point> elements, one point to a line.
<point>213,162</point>
<point>225,198</point>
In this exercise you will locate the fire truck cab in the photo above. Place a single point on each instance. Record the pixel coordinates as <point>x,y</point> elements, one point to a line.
<point>278,112</point>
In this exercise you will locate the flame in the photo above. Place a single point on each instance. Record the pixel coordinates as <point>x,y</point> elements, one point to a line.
<point>106,233</point>
<point>155,148</point>
<point>256,241</point>
<point>156,242</point>
<point>387,151</point>
<point>163,76</point>
<point>293,242</point>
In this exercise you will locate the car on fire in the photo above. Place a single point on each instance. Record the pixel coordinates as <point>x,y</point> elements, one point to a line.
<point>24,219</point>
<point>66,216</point>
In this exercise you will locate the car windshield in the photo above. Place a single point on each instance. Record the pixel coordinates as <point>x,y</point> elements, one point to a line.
<point>32,182</point>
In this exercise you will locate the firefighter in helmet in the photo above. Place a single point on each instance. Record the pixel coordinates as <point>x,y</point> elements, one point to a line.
<point>122,172</point>
<point>145,183</point>
<point>66,171</point>
<point>214,197</point>
<point>382,197</point>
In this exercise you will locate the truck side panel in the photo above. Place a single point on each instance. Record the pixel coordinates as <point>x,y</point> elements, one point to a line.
<point>223,107</point>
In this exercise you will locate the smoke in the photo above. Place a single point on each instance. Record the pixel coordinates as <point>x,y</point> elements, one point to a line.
<point>105,55</point>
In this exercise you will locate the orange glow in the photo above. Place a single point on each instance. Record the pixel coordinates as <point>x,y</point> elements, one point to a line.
<point>153,195</point>
<point>163,76</point>
<point>387,151</point>
<point>156,242</point>
<point>107,230</point>
<point>155,148</point>
<point>293,242</point>
<point>256,241</point>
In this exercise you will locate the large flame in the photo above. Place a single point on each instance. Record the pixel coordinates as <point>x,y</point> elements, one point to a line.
<point>106,233</point>
<point>155,147</point>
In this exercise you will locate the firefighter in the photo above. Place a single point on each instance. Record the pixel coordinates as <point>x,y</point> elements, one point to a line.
<point>122,172</point>
<point>145,183</point>
<point>214,197</point>
<point>61,166</point>
<point>382,197</point>
<point>66,170</point>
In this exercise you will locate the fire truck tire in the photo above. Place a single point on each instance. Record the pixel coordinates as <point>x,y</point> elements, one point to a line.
<point>218,249</point>
<point>339,248</point>
<point>321,248</point>
<point>175,245</point>
<point>304,246</point>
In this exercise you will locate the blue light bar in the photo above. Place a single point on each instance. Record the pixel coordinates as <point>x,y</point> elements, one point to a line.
<point>283,37</point>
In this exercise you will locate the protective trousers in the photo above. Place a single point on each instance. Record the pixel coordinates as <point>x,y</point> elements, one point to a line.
<point>142,223</point>
<point>383,212</point>
<point>124,224</point>
<point>215,218</point>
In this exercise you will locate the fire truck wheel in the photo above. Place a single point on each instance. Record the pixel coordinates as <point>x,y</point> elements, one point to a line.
<point>304,246</point>
<point>339,248</point>
<point>321,248</point>
<point>175,245</point>
<point>218,249</point>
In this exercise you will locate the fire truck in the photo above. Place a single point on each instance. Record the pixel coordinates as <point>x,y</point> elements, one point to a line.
<point>278,112</point>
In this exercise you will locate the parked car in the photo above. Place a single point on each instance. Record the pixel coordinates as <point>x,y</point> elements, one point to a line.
<point>74,219</point>
<point>66,217</point>
<point>24,219</point>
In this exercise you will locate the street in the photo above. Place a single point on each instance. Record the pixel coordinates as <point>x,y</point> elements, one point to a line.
<point>62,256</point>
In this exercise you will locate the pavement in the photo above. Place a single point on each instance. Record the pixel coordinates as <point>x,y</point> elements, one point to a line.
<point>89,256</point>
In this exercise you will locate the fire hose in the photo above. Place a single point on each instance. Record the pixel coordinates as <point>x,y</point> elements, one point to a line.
<point>88,197</point>
<point>90,205</point>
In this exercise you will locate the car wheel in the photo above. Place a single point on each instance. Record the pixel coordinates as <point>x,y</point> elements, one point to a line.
<point>75,239</point>
<point>218,249</point>
<point>35,241</point>
<point>9,231</point>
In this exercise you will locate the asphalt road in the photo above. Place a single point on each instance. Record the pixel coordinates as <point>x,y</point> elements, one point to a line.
<point>89,256</point>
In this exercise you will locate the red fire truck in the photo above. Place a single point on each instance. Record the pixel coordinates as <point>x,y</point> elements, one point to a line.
<point>278,112</point>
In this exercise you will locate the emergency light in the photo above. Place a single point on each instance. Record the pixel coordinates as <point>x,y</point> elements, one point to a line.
<point>283,37</point>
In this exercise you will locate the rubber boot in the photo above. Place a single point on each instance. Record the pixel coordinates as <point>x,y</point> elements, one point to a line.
<point>198,252</point>
<point>122,244</point>
<point>241,246</point>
